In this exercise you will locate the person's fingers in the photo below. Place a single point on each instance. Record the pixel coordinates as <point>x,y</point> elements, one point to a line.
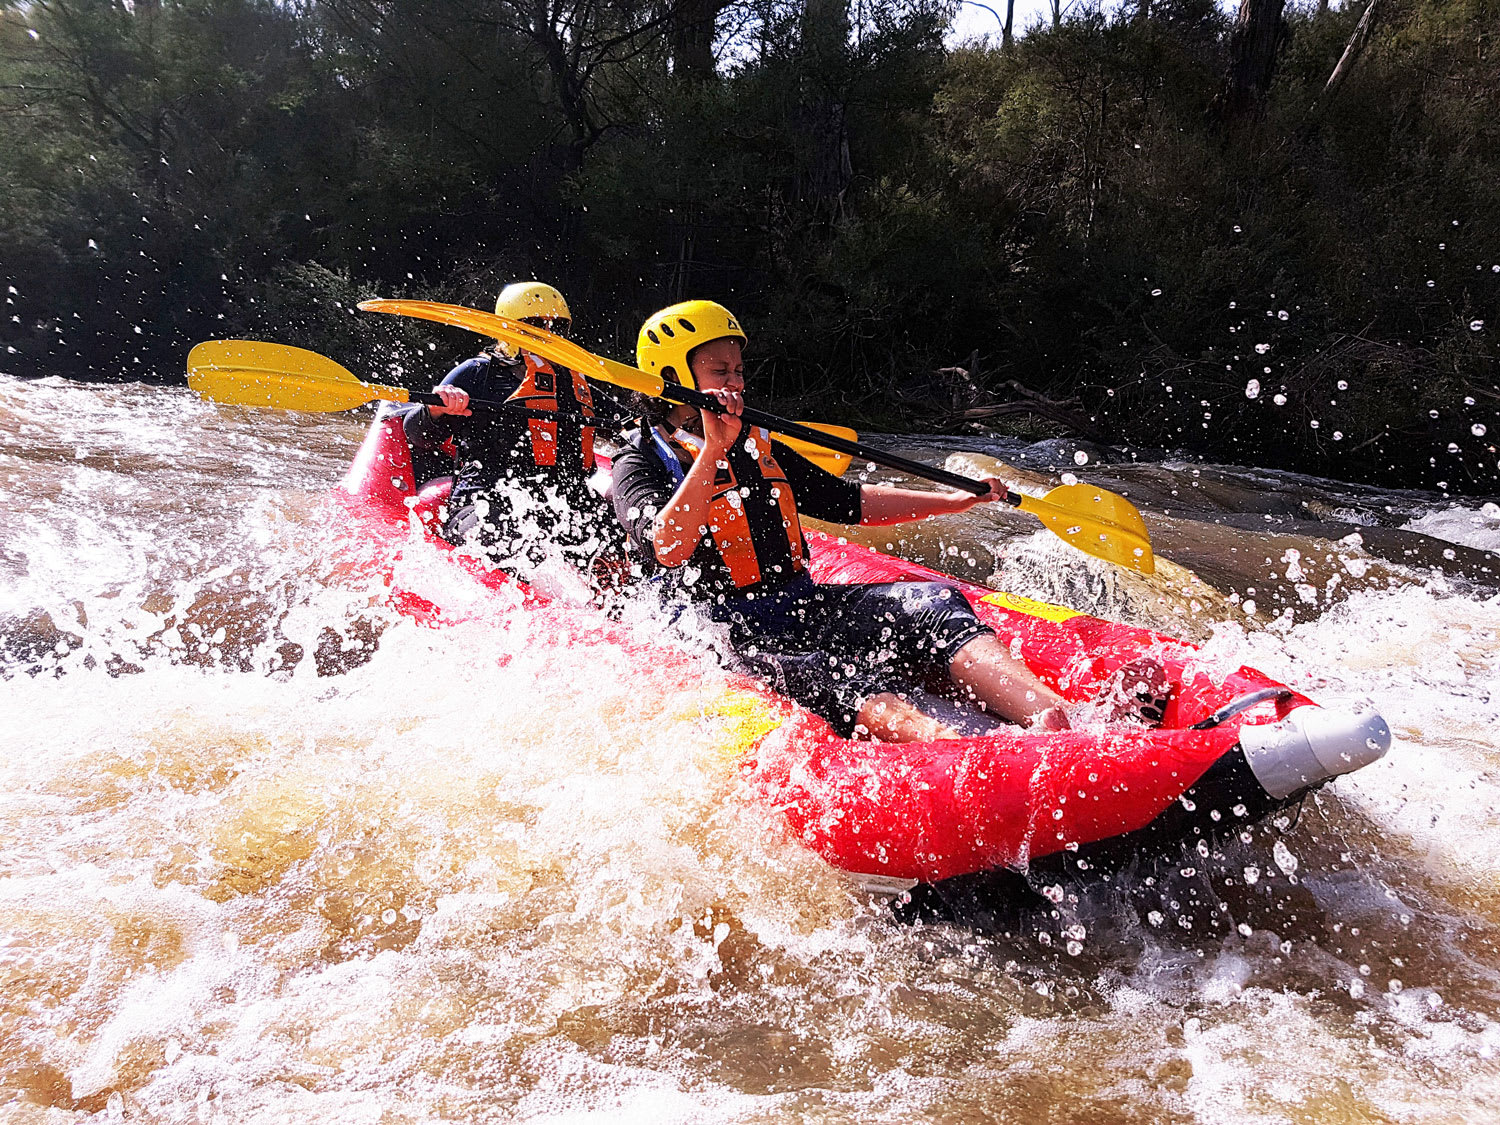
<point>455,400</point>
<point>733,402</point>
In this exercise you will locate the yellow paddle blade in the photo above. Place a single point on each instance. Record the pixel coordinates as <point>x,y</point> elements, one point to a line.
<point>830,459</point>
<point>632,378</point>
<point>527,337</point>
<point>253,373</point>
<point>1097,522</point>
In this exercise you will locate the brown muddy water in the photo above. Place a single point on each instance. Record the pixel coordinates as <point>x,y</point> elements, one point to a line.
<point>271,852</point>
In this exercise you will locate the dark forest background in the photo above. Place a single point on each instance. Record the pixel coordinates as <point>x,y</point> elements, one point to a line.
<point>1270,237</point>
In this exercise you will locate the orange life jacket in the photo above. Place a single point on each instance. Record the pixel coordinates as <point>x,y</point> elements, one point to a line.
<point>730,519</point>
<point>539,391</point>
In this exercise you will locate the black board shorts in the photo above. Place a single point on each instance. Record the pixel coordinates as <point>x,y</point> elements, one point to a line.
<point>831,647</point>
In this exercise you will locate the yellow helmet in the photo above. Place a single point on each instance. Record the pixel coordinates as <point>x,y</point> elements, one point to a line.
<point>667,337</point>
<point>533,300</point>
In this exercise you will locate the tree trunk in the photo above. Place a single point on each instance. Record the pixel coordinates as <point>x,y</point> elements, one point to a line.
<point>693,25</point>
<point>1007,38</point>
<point>1258,34</point>
<point>1352,50</point>
<point>825,45</point>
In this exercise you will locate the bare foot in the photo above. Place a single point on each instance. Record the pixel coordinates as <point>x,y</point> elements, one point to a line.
<point>1052,718</point>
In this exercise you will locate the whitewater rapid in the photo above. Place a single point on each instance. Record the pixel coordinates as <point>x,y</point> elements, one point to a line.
<point>271,851</point>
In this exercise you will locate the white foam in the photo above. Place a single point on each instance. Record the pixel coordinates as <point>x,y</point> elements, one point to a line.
<point>1477,527</point>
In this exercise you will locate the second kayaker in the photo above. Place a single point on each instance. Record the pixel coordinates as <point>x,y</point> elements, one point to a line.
<point>520,485</point>
<point>717,508</point>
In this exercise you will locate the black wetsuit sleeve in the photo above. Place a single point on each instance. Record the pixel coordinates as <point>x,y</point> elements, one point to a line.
<point>425,432</point>
<point>819,493</point>
<point>642,488</point>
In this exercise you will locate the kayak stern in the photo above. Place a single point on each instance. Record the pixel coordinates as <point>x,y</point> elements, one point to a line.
<point>1313,745</point>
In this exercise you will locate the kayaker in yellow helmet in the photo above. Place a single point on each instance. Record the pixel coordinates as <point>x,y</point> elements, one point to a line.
<point>716,506</point>
<point>520,480</point>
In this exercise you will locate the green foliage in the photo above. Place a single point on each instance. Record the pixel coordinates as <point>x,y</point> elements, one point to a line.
<point>1071,211</point>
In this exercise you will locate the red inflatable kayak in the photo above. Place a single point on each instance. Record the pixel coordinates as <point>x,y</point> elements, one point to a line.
<point>1233,745</point>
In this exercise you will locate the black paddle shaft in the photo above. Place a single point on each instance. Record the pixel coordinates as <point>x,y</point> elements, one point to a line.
<point>494,405</point>
<point>686,396</point>
<point>673,392</point>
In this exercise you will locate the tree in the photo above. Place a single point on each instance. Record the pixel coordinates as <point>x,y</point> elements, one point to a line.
<point>1352,50</point>
<point>825,47</point>
<point>1259,31</point>
<point>693,24</point>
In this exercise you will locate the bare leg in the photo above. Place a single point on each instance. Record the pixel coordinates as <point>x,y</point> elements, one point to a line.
<point>890,718</point>
<point>1002,684</point>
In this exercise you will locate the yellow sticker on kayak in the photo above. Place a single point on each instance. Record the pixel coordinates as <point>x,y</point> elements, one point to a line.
<point>1017,603</point>
<point>744,718</point>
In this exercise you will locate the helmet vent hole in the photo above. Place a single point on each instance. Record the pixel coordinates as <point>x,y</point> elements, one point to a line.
<point>667,329</point>
<point>655,339</point>
<point>687,324</point>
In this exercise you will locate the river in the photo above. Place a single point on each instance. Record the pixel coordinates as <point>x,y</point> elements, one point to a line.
<point>270,851</point>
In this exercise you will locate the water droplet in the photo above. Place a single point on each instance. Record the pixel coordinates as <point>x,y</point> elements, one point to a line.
<point>1279,400</point>
<point>1252,389</point>
<point>1477,429</point>
<point>1474,325</point>
<point>1262,349</point>
<point>1283,315</point>
<point>1156,292</point>
<point>1284,858</point>
<point>1080,458</point>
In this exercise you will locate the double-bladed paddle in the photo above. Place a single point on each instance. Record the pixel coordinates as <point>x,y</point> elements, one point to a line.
<point>254,373</point>
<point>1096,521</point>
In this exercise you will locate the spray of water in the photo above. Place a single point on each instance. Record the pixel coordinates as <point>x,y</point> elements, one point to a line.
<point>271,850</point>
